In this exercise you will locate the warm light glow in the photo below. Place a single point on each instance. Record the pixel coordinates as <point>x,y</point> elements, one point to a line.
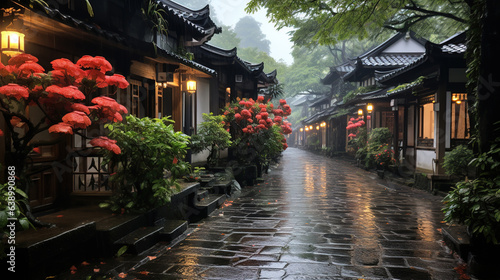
<point>369,108</point>
<point>310,127</point>
<point>191,86</point>
<point>317,127</point>
<point>458,101</point>
<point>458,97</point>
<point>323,124</point>
<point>301,129</point>
<point>307,128</point>
<point>12,43</point>
<point>228,90</point>
<point>360,112</point>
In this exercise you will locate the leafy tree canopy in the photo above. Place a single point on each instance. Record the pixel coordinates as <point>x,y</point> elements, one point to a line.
<point>330,21</point>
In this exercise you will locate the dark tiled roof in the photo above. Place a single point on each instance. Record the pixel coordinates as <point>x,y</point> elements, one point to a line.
<point>198,19</point>
<point>387,75</point>
<point>321,100</point>
<point>187,62</point>
<point>71,21</point>
<point>215,50</point>
<point>453,48</point>
<point>389,60</point>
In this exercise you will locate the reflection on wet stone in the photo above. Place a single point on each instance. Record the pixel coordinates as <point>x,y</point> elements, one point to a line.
<point>315,218</point>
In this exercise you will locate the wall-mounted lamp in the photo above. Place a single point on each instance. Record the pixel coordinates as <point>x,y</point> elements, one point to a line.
<point>323,124</point>
<point>307,128</point>
<point>369,108</point>
<point>458,97</point>
<point>317,127</point>
<point>12,43</point>
<point>191,86</point>
<point>311,127</point>
<point>360,112</point>
<point>301,129</point>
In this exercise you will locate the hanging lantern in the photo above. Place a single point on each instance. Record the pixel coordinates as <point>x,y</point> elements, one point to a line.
<point>12,43</point>
<point>191,86</point>
<point>301,129</point>
<point>369,108</point>
<point>360,112</point>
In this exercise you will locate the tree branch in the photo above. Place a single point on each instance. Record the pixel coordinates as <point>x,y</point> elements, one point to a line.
<point>415,8</point>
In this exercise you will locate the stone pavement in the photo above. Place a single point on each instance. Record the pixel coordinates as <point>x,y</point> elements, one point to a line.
<point>313,218</point>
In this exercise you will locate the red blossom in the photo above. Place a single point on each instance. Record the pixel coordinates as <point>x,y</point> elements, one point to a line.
<point>29,68</point>
<point>238,117</point>
<point>282,101</point>
<point>351,135</point>
<point>264,115</point>
<point>1,132</point>
<point>260,98</point>
<point>20,59</point>
<point>105,101</point>
<point>14,121</point>
<point>80,107</point>
<point>175,160</point>
<point>15,90</point>
<point>77,119</point>
<point>246,114</point>
<point>3,70</point>
<point>106,143</point>
<point>61,128</point>
<point>98,63</point>
<point>37,150</point>
<point>70,92</point>
<point>250,120</point>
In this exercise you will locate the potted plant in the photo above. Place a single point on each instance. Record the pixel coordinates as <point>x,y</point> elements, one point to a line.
<point>211,136</point>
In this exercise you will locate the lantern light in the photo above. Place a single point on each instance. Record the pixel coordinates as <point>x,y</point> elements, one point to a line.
<point>301,129</point>
<point>310,127</point>
<point>360,112</point>
<point>12,43</point>
<point>307,128</point>
<point>191,86</point>
<point>317,127</point>
<point>369,108</point>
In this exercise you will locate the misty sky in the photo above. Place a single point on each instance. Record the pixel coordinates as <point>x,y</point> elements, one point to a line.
<point>230,11</point>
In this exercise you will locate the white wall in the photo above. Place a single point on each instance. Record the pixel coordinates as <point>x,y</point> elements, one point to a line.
<point>404,45</point>
<point>202,106</point>
<point>425,160</point>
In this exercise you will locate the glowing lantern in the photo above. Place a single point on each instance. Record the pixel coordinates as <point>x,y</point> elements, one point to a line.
<point>12,43</point>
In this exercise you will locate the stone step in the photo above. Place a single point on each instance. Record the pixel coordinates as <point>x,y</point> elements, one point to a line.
<point>457,239</point>
<point>139,240</point>
<point>207,205</point>
<point>112,229</point>
<point>173,229</point>
<point>201,194</point>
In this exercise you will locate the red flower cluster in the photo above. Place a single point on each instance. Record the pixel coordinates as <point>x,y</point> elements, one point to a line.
<point>106,143</point>
<point>64,100</point>
<point>353,125</point>
<point>252,117</point>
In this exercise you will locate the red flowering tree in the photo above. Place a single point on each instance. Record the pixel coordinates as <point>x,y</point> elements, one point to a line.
<point>257,129</point>
<point>65,100</point>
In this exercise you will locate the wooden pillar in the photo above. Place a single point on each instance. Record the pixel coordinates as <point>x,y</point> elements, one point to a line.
<point>440,119</point>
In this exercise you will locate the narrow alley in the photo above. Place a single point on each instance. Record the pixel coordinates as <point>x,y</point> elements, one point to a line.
<point>314,218</point>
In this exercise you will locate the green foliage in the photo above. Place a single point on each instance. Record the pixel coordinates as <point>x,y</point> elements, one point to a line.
<point>456,162</point>
<point>353,93</point>
<point>328,22</point>
<point>227,39</point>
<point>378,148</point>
<point>150,162</point>
<point>358,143</point>
<point>407,85</point>
<point>11,209</point>
<point>156,15</point>
<point>476,204</point>
<point>212,136</point>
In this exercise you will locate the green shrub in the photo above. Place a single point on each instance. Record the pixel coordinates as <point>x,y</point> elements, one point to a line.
<point>457,161</point>
<point>11,209</point>
<point>378,152</point>
<point>212,136</point>
<point>150,162</point>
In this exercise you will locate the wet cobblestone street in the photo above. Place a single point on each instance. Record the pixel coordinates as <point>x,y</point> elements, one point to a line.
<point>314,218</point>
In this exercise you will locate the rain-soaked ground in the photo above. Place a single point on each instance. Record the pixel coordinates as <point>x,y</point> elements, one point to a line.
<point>313,218</point>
